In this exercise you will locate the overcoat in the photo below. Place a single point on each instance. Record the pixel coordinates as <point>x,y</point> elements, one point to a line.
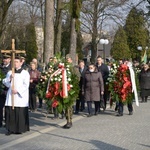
<point>93,85</point>
<point>144,79</point>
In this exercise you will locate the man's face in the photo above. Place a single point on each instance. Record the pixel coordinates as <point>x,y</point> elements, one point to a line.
<point>6,61</point>
<point>69,60</point>
<point>17,63</point>
<point>81,64</point>
<point>99,60</point>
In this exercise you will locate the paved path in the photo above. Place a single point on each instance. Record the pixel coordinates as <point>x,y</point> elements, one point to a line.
<point>102,132</point>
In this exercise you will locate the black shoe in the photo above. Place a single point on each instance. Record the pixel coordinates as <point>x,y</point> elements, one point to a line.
<point>1,125</point>
<point>119,115</point>
<point>18,133</point>
<point>67,125</point>
<point>9,133</point>
<point>130,113</point>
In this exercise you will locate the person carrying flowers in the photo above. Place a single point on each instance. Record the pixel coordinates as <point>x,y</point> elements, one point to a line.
<point>63,88</point>
<point>123,87</point>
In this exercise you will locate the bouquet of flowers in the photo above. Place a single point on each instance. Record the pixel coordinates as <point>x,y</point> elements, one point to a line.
<point>120,84</point>
<point>60,76</point>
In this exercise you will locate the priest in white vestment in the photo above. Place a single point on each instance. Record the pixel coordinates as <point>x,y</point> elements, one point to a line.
<point>17,119</point>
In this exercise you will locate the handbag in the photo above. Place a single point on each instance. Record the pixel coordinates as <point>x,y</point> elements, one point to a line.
<point>102,104</point>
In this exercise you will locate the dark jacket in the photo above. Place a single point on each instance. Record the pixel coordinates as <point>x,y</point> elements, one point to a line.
<point>104,71</point>
<point>93,85</point>
<point>35,76</point>
<point>82,74</point>
<point>144,79</point>
<point>5,69</point>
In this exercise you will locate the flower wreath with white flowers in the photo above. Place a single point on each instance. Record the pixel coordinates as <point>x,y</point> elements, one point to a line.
<point>50,87</point>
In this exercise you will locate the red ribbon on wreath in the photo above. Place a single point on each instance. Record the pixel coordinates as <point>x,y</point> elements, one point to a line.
<point>64,92</point>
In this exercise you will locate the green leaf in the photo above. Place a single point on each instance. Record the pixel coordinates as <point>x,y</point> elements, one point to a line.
<point>60,108</point>
<point>71,92</point>
<point>65,100</point>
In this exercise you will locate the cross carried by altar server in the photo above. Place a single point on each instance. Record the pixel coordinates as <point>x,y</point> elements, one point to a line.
<point>13,52</point>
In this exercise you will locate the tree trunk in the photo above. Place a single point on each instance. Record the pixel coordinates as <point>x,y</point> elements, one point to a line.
<point>58,27</point>
<point>94,34</point>
<point>73,41</point>
<point>49,31</point>
<point>4,6</point>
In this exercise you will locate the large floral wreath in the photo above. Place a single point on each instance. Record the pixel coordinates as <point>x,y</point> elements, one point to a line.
<point>120,85</point>
<point>51,86</point>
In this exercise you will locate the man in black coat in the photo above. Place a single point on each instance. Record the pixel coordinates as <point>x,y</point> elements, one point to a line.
<point>80,103</point>
<point>5,67</point>
<point>103,68</point>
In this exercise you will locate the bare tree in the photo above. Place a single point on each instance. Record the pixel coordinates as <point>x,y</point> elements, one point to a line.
<point>94,13</point>
<point>35,10</point>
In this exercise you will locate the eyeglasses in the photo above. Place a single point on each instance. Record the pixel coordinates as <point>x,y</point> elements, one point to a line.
<point>91,68</point>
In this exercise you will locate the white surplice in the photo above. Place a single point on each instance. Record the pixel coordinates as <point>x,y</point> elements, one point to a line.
<point>21,84</point>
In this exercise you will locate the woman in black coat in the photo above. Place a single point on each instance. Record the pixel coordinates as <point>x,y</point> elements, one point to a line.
<point>144,80</point>
<point>93,88</point>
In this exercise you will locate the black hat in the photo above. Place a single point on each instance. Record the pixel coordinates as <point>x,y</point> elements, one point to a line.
<point>5,56</point>
<point>17,56</point>
<point>20,56</point>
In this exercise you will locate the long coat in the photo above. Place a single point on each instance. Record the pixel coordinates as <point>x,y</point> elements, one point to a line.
<point>144,79</point>
<point>93,86</point>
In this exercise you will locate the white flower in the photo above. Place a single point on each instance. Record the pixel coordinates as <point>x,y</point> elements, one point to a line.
<point>69,72</point>
<point>55,79</point>
<point>60,76</point>
<point>69,79</point>
<point>67,69</point>
<point>59,79</point>
<point>67,66</point>
<point>71,85</point>
<point>51,79</point>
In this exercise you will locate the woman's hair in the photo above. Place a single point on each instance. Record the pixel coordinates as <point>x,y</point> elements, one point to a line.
<point>33,63</point>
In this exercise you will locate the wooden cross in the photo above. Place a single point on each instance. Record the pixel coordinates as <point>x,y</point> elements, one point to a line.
<point>13,52</point>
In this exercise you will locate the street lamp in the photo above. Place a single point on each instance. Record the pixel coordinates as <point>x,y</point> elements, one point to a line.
<point>104,42</point>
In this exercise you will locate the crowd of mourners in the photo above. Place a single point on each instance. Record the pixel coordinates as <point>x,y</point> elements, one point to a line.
<point>93,90</point>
